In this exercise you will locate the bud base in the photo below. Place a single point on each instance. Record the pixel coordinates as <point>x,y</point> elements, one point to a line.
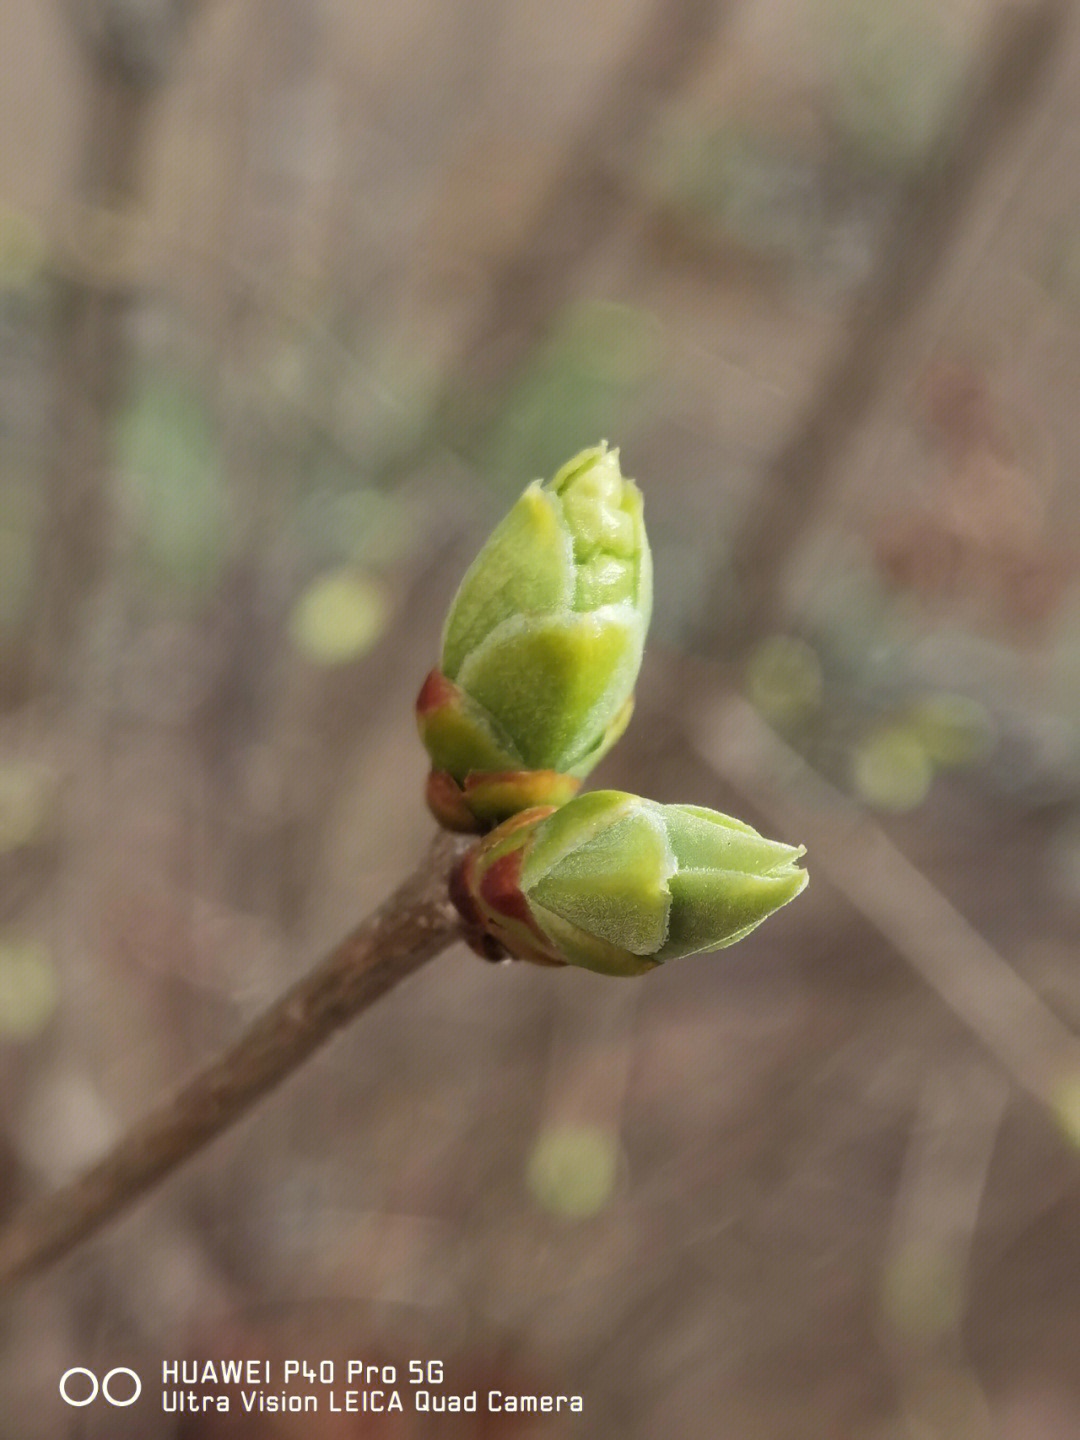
<point>489,797</point>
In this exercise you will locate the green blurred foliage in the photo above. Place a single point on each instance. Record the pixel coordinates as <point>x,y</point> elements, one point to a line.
<point>896,78</point>
<point>954,730</point>
<point>887,719</point>
<point>865,714</point>
<point>345,391</point>
<point>588,381</point>
<point>756,186</point>
<point>784,679</point>
<point>172,483</point>
<point>338,519</point>
<point>23,253</point>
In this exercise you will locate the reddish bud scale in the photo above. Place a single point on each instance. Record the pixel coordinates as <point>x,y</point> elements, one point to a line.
<point>485,889</point>
<point>487,796</point>
<point>499,889</point>
<point>446,801</point>
<point>435,692</point>
<point>482,798</point>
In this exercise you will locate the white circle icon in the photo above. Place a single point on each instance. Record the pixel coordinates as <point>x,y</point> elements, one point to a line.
<point>105,1386</point>
<point>78,1370</point>
<point>136,1392</point>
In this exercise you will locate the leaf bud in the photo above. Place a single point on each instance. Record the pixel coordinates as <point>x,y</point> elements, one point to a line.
<point>618,884</point>
<point>541,648</point>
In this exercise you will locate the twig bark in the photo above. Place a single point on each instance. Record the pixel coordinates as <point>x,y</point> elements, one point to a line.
<point>408,929</point>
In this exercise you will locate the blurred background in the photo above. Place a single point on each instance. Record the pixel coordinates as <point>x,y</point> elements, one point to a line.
<point>295,297</point>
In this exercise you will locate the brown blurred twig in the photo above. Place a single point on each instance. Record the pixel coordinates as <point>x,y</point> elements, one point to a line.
<point>579,209</point>
<point>891,310</point>
<point>855,854</point>
<point>926,1283</point>
<point>129,51</point>
<point>587,197</point>
<point>407,930</point>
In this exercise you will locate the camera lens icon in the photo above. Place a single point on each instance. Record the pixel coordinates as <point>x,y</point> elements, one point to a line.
<point>80,1386</point>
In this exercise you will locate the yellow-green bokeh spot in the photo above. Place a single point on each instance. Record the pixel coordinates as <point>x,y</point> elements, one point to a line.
<point>953,730</point>
<point>28,988</point>
<point>27,803</point>
<point>23,252</point>
<point>573,1170</point>
<point>922,1293</point>
<point>891,770</point>
<point>1067,1109</point>
<point>784,679</point>
<point>339,617</point>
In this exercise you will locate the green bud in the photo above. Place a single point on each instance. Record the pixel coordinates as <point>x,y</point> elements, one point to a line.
<point>618,884</point>
<point>541,648</point>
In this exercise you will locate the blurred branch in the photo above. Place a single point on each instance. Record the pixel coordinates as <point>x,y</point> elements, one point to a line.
<point>932,210</point>
<point>578,211</point>
<point>846,845</point>
<point>926,1281</point>
<point>129,48</point>
<point>586,198</point>
<point>134,40</point>
<point>942,1184</point>
<point>408,929</point>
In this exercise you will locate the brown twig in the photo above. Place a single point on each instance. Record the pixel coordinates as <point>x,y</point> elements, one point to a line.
<point>408,929</point>
<point>587,198</point>
<point>940,944</point>
<point>1023,51</point>
<point>580,207</point>
<point>128,53</point>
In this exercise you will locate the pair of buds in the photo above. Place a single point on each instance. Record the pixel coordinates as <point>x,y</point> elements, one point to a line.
<point>540,655</point>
